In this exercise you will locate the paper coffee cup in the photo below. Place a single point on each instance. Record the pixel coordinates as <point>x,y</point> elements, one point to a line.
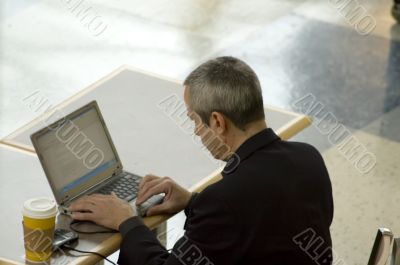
<point>39,219</point>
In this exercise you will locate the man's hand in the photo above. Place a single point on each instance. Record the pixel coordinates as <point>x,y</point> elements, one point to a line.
<point>106,210</point>
<point>176,197</point>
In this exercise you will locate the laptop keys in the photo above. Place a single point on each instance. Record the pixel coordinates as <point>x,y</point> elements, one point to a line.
<point>125,187</point>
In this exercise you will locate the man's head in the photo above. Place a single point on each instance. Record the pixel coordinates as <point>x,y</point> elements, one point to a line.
<point>224,98</point>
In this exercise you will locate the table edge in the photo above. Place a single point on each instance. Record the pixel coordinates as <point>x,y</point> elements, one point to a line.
<point>9,137</point>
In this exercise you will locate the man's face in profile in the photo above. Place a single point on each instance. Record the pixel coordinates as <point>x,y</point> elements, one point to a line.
<point>214,142</point>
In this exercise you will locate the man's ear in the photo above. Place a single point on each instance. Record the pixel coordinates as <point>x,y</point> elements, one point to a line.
<point>218,122</point>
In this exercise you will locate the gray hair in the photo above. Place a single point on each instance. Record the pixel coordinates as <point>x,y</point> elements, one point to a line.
<point>229,86</point>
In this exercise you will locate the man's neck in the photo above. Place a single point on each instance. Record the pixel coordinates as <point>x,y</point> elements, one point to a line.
<point>251,129</point>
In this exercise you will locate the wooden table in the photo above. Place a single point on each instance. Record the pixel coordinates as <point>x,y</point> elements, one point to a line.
<point>147,138</point>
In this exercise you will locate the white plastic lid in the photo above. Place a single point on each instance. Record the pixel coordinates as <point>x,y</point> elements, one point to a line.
<point>41,207</point>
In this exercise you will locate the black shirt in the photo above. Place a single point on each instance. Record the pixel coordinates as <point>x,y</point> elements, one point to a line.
<point>273,207</point>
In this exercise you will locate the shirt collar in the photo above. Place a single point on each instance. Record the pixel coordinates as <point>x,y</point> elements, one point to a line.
<point>247,148</point>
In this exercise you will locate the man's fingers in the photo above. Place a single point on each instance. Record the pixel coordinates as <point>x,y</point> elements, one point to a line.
<point>82,216</point>
<point>148,185</point>
<point>93,198</point>
<point>80,206</point>
<point>158,209</point>
<point>97,196</point>
<point>147,178</point>
<point>157,189</point>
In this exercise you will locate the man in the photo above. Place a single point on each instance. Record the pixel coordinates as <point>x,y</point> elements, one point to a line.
<point>273,205</point>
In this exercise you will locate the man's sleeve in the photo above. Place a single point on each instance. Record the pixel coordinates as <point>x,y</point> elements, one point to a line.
<point>211,232</point>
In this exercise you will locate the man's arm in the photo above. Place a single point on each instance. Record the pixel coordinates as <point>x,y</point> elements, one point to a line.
<point>211,232</point>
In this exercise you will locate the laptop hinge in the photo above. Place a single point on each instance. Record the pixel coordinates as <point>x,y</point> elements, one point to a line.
<point>118,170</point>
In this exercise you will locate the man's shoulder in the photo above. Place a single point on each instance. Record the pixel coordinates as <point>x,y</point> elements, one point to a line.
<point>301,145</point>
<point>274,157</point>
<point>280,150</point>
<point>265,168</point>
<point>293,145</point>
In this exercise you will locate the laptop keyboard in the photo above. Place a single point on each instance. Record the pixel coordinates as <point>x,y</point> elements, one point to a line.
<point>126,187</point>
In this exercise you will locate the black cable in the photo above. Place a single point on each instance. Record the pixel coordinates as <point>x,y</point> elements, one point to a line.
<point>73,226</point>
<point>88,252</point>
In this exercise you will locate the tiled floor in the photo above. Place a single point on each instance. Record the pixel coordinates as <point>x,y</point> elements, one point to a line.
<point>296,47</point>
<point>349,73</point>
<point>364,202</point>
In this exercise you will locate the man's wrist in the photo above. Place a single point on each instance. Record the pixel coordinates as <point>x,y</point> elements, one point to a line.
<point>189,203</point>
<point>129,224</point>
<point>188,199</point>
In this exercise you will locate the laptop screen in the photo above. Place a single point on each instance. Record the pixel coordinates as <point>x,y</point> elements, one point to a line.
<point>76,152</point>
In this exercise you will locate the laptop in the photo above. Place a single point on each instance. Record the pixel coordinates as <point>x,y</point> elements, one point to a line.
<point>79,158</point>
